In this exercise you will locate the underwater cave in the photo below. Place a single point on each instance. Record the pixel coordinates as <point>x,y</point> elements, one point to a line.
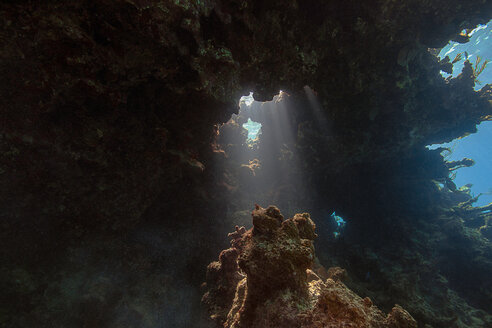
<point>154,176</point>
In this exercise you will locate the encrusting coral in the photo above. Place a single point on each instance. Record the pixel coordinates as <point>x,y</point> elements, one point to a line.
<point>266,279</point>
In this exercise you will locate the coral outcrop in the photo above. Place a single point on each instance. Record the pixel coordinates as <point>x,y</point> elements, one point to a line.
<point>266,280</point>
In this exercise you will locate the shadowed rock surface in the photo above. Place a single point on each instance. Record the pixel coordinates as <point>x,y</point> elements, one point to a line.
<point>117,184</point>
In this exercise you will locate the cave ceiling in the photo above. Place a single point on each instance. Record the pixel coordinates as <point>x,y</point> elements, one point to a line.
<point>109,107</point>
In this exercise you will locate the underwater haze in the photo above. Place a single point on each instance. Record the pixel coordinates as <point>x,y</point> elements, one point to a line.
<point>245,164</point>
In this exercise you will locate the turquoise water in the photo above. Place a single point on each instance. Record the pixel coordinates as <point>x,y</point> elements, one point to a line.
<point>253,128</point>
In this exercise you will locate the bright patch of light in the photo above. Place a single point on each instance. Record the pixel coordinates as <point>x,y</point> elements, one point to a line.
<point>435,146</point>
<point>451,50</point>
<point>477,147</point>
<point>479,27</point>
<point>480,45</point>
<point>248,100</point>
<point>340,224</point>
<point>253,129</point>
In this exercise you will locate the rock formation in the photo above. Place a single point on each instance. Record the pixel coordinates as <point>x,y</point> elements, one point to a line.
<point>117,183</point>
<point>266,280</point>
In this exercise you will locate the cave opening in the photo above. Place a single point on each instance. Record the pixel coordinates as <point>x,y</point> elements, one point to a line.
<point>269,151</point>
<point>476,48</point>
<point>260,143</point>
<point>474,177</point>
<point>253,128</point>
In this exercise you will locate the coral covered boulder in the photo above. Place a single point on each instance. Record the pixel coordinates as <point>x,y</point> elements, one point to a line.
<point>265,280</point>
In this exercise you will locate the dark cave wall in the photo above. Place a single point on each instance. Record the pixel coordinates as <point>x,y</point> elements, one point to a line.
<point>110,185</point>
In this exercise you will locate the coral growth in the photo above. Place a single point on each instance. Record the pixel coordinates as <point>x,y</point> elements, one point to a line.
<point>110,116</point>
<point>265,280</point>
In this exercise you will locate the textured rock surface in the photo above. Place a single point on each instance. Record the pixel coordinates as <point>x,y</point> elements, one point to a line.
<point>110,174</point>
<point>268,282</point>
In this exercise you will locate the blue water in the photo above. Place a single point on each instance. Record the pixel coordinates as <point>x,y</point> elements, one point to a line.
<point>480,44</point>
<point>340,222</point>
<point>476,146</point>
<point>253,128</point>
